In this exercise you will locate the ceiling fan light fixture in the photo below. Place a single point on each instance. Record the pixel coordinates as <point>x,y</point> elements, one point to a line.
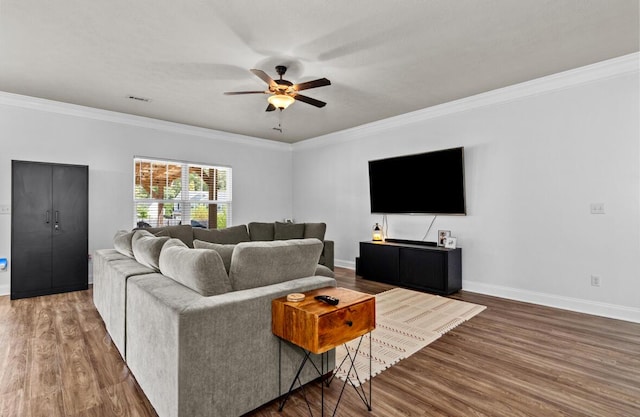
<point>281,101</point>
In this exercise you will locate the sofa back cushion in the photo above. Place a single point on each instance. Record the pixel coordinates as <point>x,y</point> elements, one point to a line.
<point>256,264</point>
<point>315,230</point>
<point>184,232</point>
<point>122,243</point>
<point>146,248</point>
<point>230,235</point>
<point>225,251</point>
<point>261,231</point>
<point>201,270</point>
<point>286,231</point>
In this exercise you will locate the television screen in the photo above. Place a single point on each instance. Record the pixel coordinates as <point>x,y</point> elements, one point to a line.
<point>426,183</point>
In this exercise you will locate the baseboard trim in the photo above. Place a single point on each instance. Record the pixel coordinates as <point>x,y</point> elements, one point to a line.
<point>595,308</point>
<point>345,264</point>
<point>5,289</point>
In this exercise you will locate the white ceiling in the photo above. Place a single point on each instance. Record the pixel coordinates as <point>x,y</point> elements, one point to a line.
<point>383,57</point>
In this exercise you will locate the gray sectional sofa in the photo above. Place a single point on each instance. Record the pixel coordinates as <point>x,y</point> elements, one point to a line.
<point>194,329</point>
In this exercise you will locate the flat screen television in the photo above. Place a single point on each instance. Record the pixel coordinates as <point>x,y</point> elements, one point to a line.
<point>425,183</point>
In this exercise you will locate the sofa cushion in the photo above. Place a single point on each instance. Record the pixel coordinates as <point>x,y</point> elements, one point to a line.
<point>184,232</point>
<point>256,264</point>
<point>315,230</point>
<point>122,243</point>
<point>230,235</point>
<point>286,231</point>
<point>261,231</point>
<point>323,271</point>
<point>201,270</point>
<point>146,248</point>
<point>225,251</point>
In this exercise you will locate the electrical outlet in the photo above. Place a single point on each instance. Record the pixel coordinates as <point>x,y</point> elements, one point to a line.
<point>5,209</point>
<point>597,208</point>
<point>595,281</point>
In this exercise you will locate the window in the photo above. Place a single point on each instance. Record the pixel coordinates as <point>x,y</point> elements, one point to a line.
<point>160,199</point>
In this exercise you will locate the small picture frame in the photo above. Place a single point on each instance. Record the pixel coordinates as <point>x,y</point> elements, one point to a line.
<point>450,242</point>
<point>442,236</point>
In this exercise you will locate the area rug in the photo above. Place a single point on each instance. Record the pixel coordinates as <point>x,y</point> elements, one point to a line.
<point>406,321</point>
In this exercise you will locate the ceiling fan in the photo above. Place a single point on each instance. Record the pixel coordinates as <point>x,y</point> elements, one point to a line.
<point>283,93</point>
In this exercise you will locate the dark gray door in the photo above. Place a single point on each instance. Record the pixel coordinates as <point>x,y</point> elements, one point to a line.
<point>31,219</point>
<point>70,220</point>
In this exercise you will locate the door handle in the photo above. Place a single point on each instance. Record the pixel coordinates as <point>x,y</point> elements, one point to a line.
<point>46,217</point>
<point>56,226</point>
<point>57,216</point>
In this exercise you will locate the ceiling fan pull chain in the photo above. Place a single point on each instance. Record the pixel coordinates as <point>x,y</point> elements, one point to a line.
<point>279,128</point>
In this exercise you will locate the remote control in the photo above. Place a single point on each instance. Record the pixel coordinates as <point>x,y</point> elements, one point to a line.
<point>328,299</point>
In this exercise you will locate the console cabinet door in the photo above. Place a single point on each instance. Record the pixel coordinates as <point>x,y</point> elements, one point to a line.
<point>379,262</point>
<point>425,269</point>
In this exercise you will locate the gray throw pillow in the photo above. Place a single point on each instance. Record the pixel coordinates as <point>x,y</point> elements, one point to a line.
<point>286,231</point>
<point>182,231</point>
<point>230,235</point>
<point>256,264</point>
<point>323,271</point>
<point>261,231</point>
<point>225,251</point>
<point>146,248</point>
<point>201,270</point>
<point>122,243</point>
<point>315,230</point>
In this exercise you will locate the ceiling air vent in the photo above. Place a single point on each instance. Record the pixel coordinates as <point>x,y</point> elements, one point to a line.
<point>136,98</point>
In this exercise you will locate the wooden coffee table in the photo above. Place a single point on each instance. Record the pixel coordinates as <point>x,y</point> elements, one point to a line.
<point>317,327</point>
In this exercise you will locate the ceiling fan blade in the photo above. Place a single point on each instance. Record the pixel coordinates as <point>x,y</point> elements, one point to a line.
<point>321,82</point>
<point>270,107</point>
<point>264,77</point>
<point>232,93</point>
<point>309,100</point>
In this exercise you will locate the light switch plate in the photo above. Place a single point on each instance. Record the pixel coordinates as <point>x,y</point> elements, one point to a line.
<point>5,209</point>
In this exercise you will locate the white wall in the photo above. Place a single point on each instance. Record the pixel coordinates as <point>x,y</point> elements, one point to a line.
<point>536,156</point>
<point>39,130</point>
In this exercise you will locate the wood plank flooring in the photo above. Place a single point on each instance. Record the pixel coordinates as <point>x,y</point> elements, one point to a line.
<point>514,359</point>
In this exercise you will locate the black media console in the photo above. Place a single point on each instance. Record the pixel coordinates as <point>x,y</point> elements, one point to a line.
<point>414,264</point>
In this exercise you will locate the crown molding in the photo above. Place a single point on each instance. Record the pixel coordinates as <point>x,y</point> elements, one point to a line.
<point>51,106</point>
<point>621,66</point>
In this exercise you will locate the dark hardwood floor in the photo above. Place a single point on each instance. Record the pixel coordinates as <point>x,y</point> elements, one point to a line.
<point>513,359</point>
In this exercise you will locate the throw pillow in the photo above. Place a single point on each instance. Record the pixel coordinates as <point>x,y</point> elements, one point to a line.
<point>182,231</point>
<point>256,264</point>
<point>146,248</point>
<point>225,251</point>
<point>286,231</point>
<point>201,270</point>
<point>261,231</point>
<point>122,242</point>
<point>323,271</point>
<point>315,230</point>
<point>230,235</point>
